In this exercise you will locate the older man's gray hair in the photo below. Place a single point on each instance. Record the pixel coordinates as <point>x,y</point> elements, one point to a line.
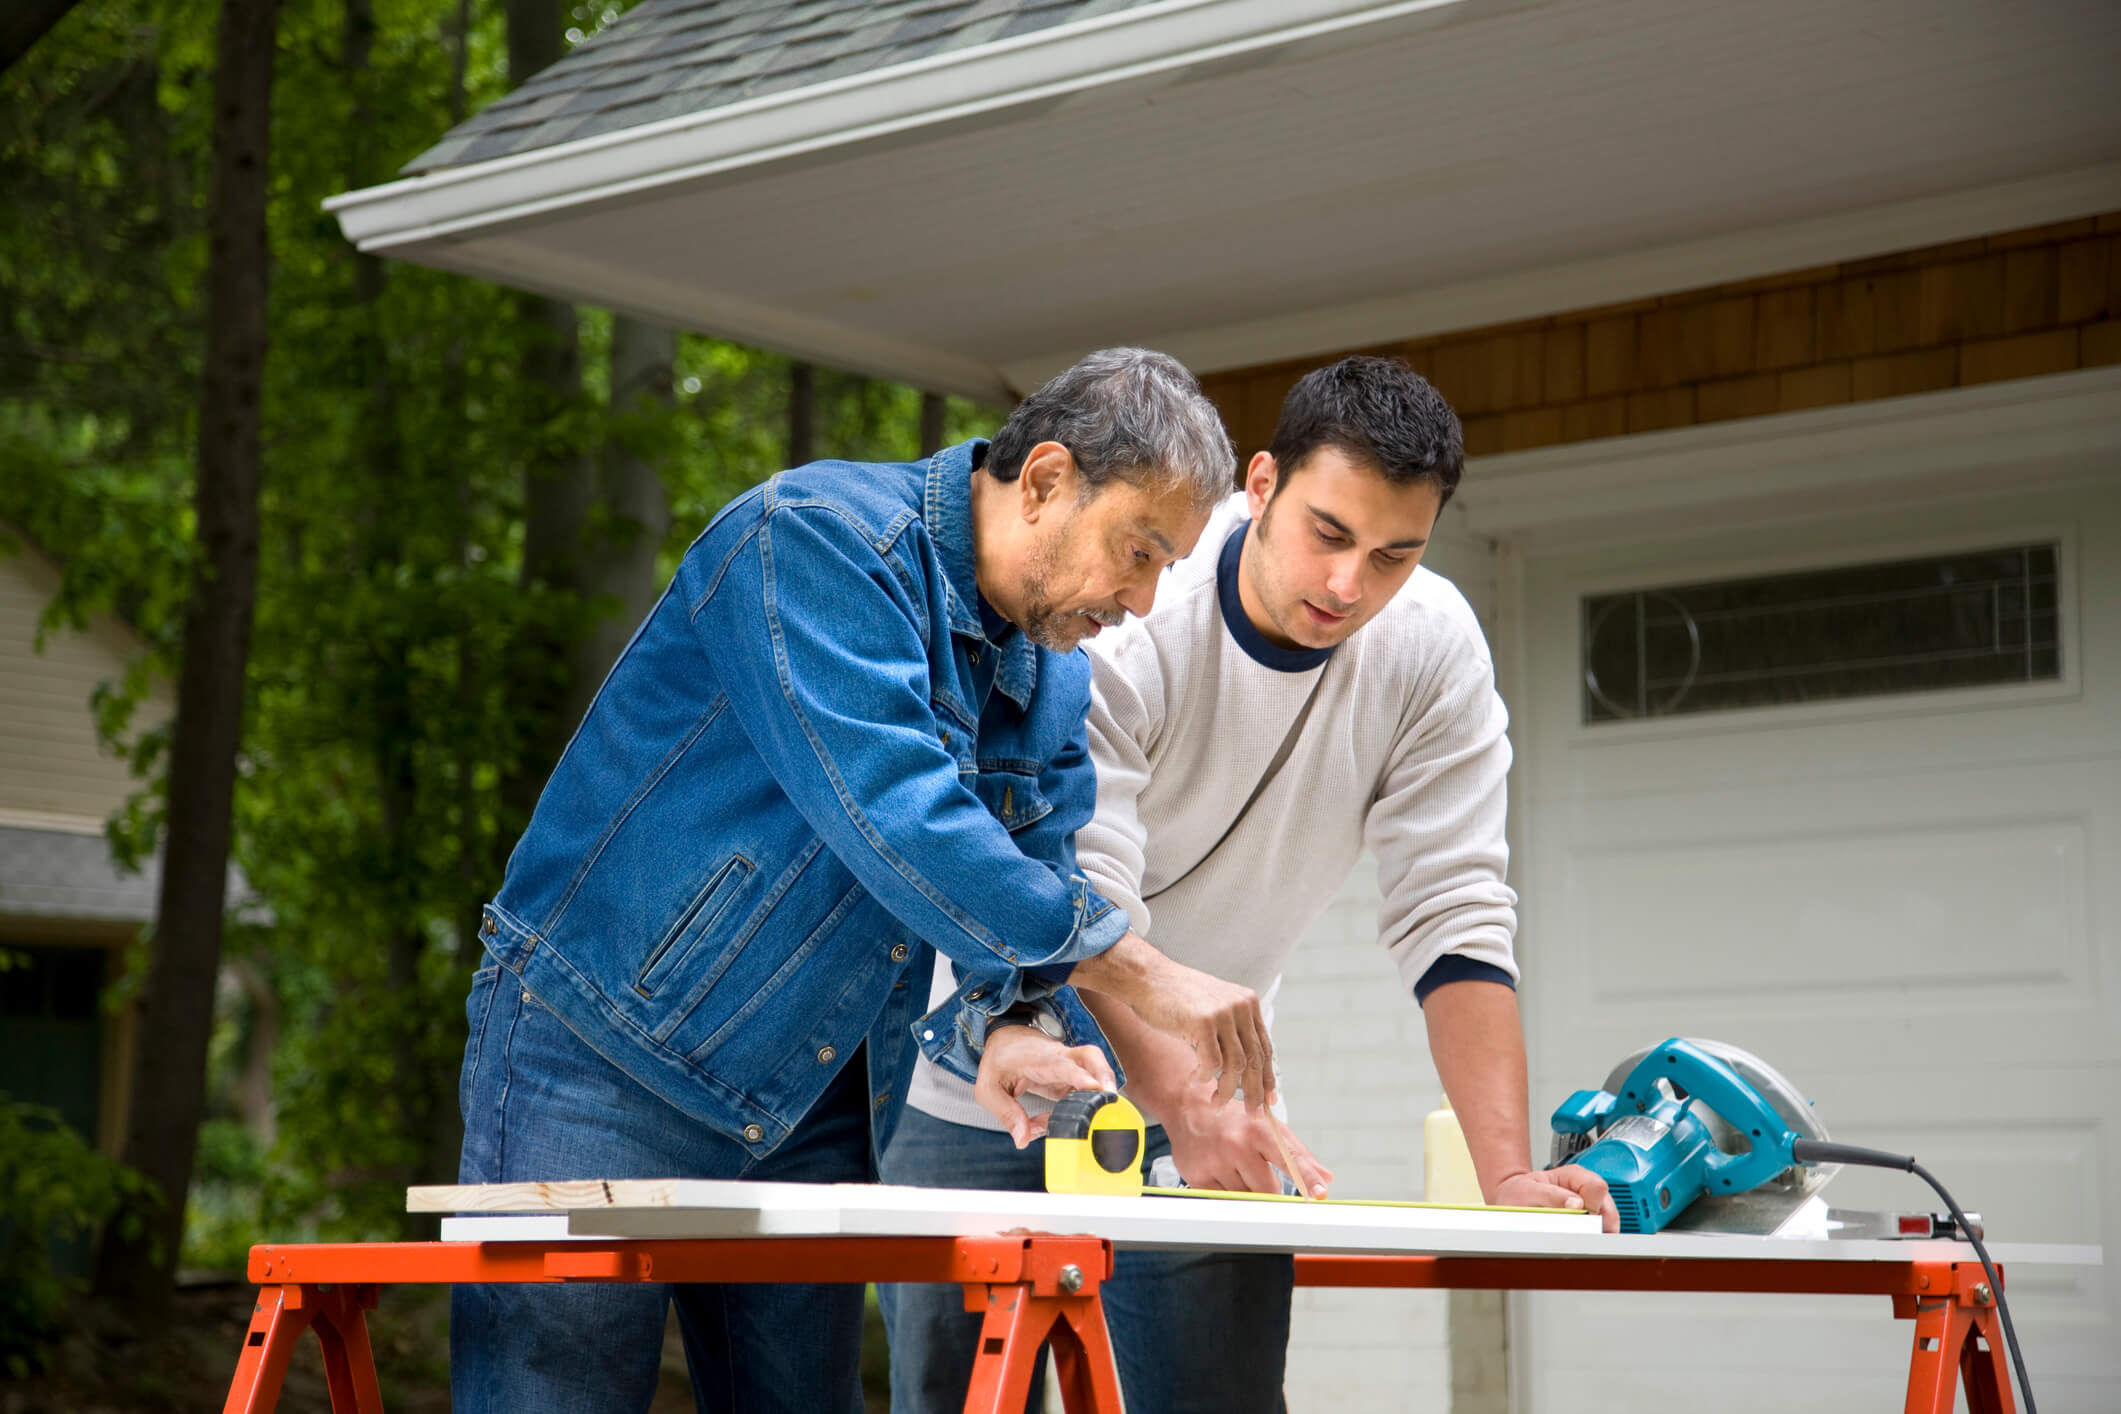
<point>1130,415</point>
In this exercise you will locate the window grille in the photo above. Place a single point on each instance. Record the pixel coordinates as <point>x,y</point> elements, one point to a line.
<point>1969,619</point>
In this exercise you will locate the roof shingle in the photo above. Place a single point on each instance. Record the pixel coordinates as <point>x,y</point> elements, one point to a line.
<point>669,58</point>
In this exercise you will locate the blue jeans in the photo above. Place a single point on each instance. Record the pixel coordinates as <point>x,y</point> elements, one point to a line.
<point>1192,1332</point>
<point>539,1104</point>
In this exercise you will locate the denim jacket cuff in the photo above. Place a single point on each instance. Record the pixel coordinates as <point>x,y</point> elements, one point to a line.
<point>954,1035</point>
<point>1099,924</point>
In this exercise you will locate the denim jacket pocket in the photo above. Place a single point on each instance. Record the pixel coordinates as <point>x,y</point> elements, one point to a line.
<point>698,921</point>
<point>1012,797</point>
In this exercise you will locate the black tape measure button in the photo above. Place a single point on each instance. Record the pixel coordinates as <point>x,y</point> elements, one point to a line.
<point>1116,1150</point>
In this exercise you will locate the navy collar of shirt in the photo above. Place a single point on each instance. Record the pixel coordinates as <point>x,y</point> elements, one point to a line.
<point>1255,644</point>
<point>946,505</point>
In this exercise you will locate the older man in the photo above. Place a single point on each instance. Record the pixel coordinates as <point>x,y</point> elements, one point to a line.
<point>850,735</point>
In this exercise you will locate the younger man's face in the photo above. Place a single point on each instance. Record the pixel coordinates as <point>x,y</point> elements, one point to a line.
<point>1331,547</point>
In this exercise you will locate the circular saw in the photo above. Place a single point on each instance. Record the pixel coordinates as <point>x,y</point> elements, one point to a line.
<point>1694,1135</point>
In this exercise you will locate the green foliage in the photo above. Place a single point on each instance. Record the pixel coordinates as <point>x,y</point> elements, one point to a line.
<point>389,699</point>
<point>54,1190</point>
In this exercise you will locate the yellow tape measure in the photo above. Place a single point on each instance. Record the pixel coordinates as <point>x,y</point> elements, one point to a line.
<point>1094,1144</point>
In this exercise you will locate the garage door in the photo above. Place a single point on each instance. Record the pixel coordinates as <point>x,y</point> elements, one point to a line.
<point>1844,790</point>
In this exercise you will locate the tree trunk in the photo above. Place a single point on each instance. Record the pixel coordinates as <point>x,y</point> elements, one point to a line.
<point>802,414</point>
<point>933,405</point>
<point>445,1123</point>
<point>169,1069</point>
<point>620,572</point>
<point>557,490</point>
<point>393,717</point>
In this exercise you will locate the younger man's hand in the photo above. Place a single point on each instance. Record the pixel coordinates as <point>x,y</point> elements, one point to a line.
<point>1570,1186</point>
<point>1022,1060</point>
<point>1232,1148</point>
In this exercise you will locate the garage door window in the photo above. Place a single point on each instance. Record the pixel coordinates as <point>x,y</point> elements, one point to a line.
<point>1966,619</point>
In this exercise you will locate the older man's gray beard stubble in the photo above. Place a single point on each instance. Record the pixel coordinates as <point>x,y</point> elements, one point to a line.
<point>1044,624</point>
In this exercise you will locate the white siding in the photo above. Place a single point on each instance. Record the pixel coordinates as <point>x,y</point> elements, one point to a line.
<point>53,771</point>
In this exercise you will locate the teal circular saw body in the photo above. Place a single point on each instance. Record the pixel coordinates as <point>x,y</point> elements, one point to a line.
<point>1654,1135</point>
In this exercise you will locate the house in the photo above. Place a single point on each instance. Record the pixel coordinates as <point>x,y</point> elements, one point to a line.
<point>67,913</point>
<point>1788,340</point>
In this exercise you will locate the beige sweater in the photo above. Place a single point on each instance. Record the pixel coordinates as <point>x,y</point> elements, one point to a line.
<point>1404,753</point>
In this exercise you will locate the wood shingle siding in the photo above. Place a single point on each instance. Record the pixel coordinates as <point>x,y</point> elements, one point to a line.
<point>2020,304</point>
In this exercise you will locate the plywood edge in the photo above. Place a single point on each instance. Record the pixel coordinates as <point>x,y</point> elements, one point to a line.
<point>541,1197</point>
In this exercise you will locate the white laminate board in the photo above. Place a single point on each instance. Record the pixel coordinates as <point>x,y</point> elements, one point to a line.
<point>716,1209</point>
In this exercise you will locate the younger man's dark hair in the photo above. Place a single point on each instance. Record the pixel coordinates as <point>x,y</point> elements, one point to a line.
<point>1378,412</point>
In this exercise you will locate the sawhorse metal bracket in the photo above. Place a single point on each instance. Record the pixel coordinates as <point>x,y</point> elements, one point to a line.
<point>1958,1340</point>
<point>276,1326</point>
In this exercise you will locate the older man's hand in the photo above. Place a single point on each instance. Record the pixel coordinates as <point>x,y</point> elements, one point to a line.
<point>1220,1020</point>
<point>1569,1186</point>
<point>1022,1060</point>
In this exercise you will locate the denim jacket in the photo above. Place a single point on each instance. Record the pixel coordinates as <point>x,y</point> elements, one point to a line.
<point>809,767</point>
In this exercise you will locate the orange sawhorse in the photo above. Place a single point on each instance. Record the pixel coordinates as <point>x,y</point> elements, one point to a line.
<point>1957,1335</point>
<point>1034,1289</point>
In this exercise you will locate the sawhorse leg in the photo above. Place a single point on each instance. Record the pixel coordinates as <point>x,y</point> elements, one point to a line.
<point>335,1313</point>
<point>1054,1300</point>
<point>1958,1340</point>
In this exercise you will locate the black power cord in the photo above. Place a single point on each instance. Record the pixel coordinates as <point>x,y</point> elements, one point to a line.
<point>1819,1151</point>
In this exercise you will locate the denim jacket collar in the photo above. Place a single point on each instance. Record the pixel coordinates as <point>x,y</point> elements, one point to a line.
<point>947,507</point>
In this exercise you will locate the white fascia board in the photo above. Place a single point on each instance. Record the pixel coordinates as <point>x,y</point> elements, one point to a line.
<point>1660,270</point>
<point>1128,47</point>
<point>2040,431</point>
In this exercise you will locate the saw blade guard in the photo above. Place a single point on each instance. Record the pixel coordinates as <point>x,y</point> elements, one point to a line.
<point>1765,1081</point>
<point>1712,1087</point>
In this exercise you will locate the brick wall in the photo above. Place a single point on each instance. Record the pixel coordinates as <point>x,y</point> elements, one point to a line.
<point>2015,305</point>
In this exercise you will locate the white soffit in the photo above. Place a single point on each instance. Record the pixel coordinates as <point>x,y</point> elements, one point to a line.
<point>1242,181</point>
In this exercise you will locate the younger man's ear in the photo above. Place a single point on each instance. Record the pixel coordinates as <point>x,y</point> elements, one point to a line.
<point>1260,479</point>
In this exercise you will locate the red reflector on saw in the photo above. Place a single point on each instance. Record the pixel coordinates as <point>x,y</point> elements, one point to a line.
<point>1914,1225</point>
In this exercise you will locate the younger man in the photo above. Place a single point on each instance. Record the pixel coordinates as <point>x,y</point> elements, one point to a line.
<point>1301,691</point>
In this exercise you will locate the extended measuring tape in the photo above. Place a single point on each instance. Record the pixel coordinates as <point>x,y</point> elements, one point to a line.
<point>1094,1144</point>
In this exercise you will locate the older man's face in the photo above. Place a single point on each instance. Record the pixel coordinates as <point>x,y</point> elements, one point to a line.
<point>1100,558</point>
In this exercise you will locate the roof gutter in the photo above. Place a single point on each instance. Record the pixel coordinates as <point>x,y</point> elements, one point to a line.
<point>1151,43</point>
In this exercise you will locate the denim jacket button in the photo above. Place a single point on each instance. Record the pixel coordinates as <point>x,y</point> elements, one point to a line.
<point>975,994</point>
<point>972,655</point>
<point>486,926</point>
<point>898,953</point>
<point>753,1133</point>
<point>825,1055</point>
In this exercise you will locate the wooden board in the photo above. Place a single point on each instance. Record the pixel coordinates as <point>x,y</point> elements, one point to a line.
<point>541,1197</point>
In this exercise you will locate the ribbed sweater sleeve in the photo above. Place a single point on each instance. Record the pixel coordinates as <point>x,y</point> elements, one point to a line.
<point>1126,705</point>
<point>1436,824</point>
